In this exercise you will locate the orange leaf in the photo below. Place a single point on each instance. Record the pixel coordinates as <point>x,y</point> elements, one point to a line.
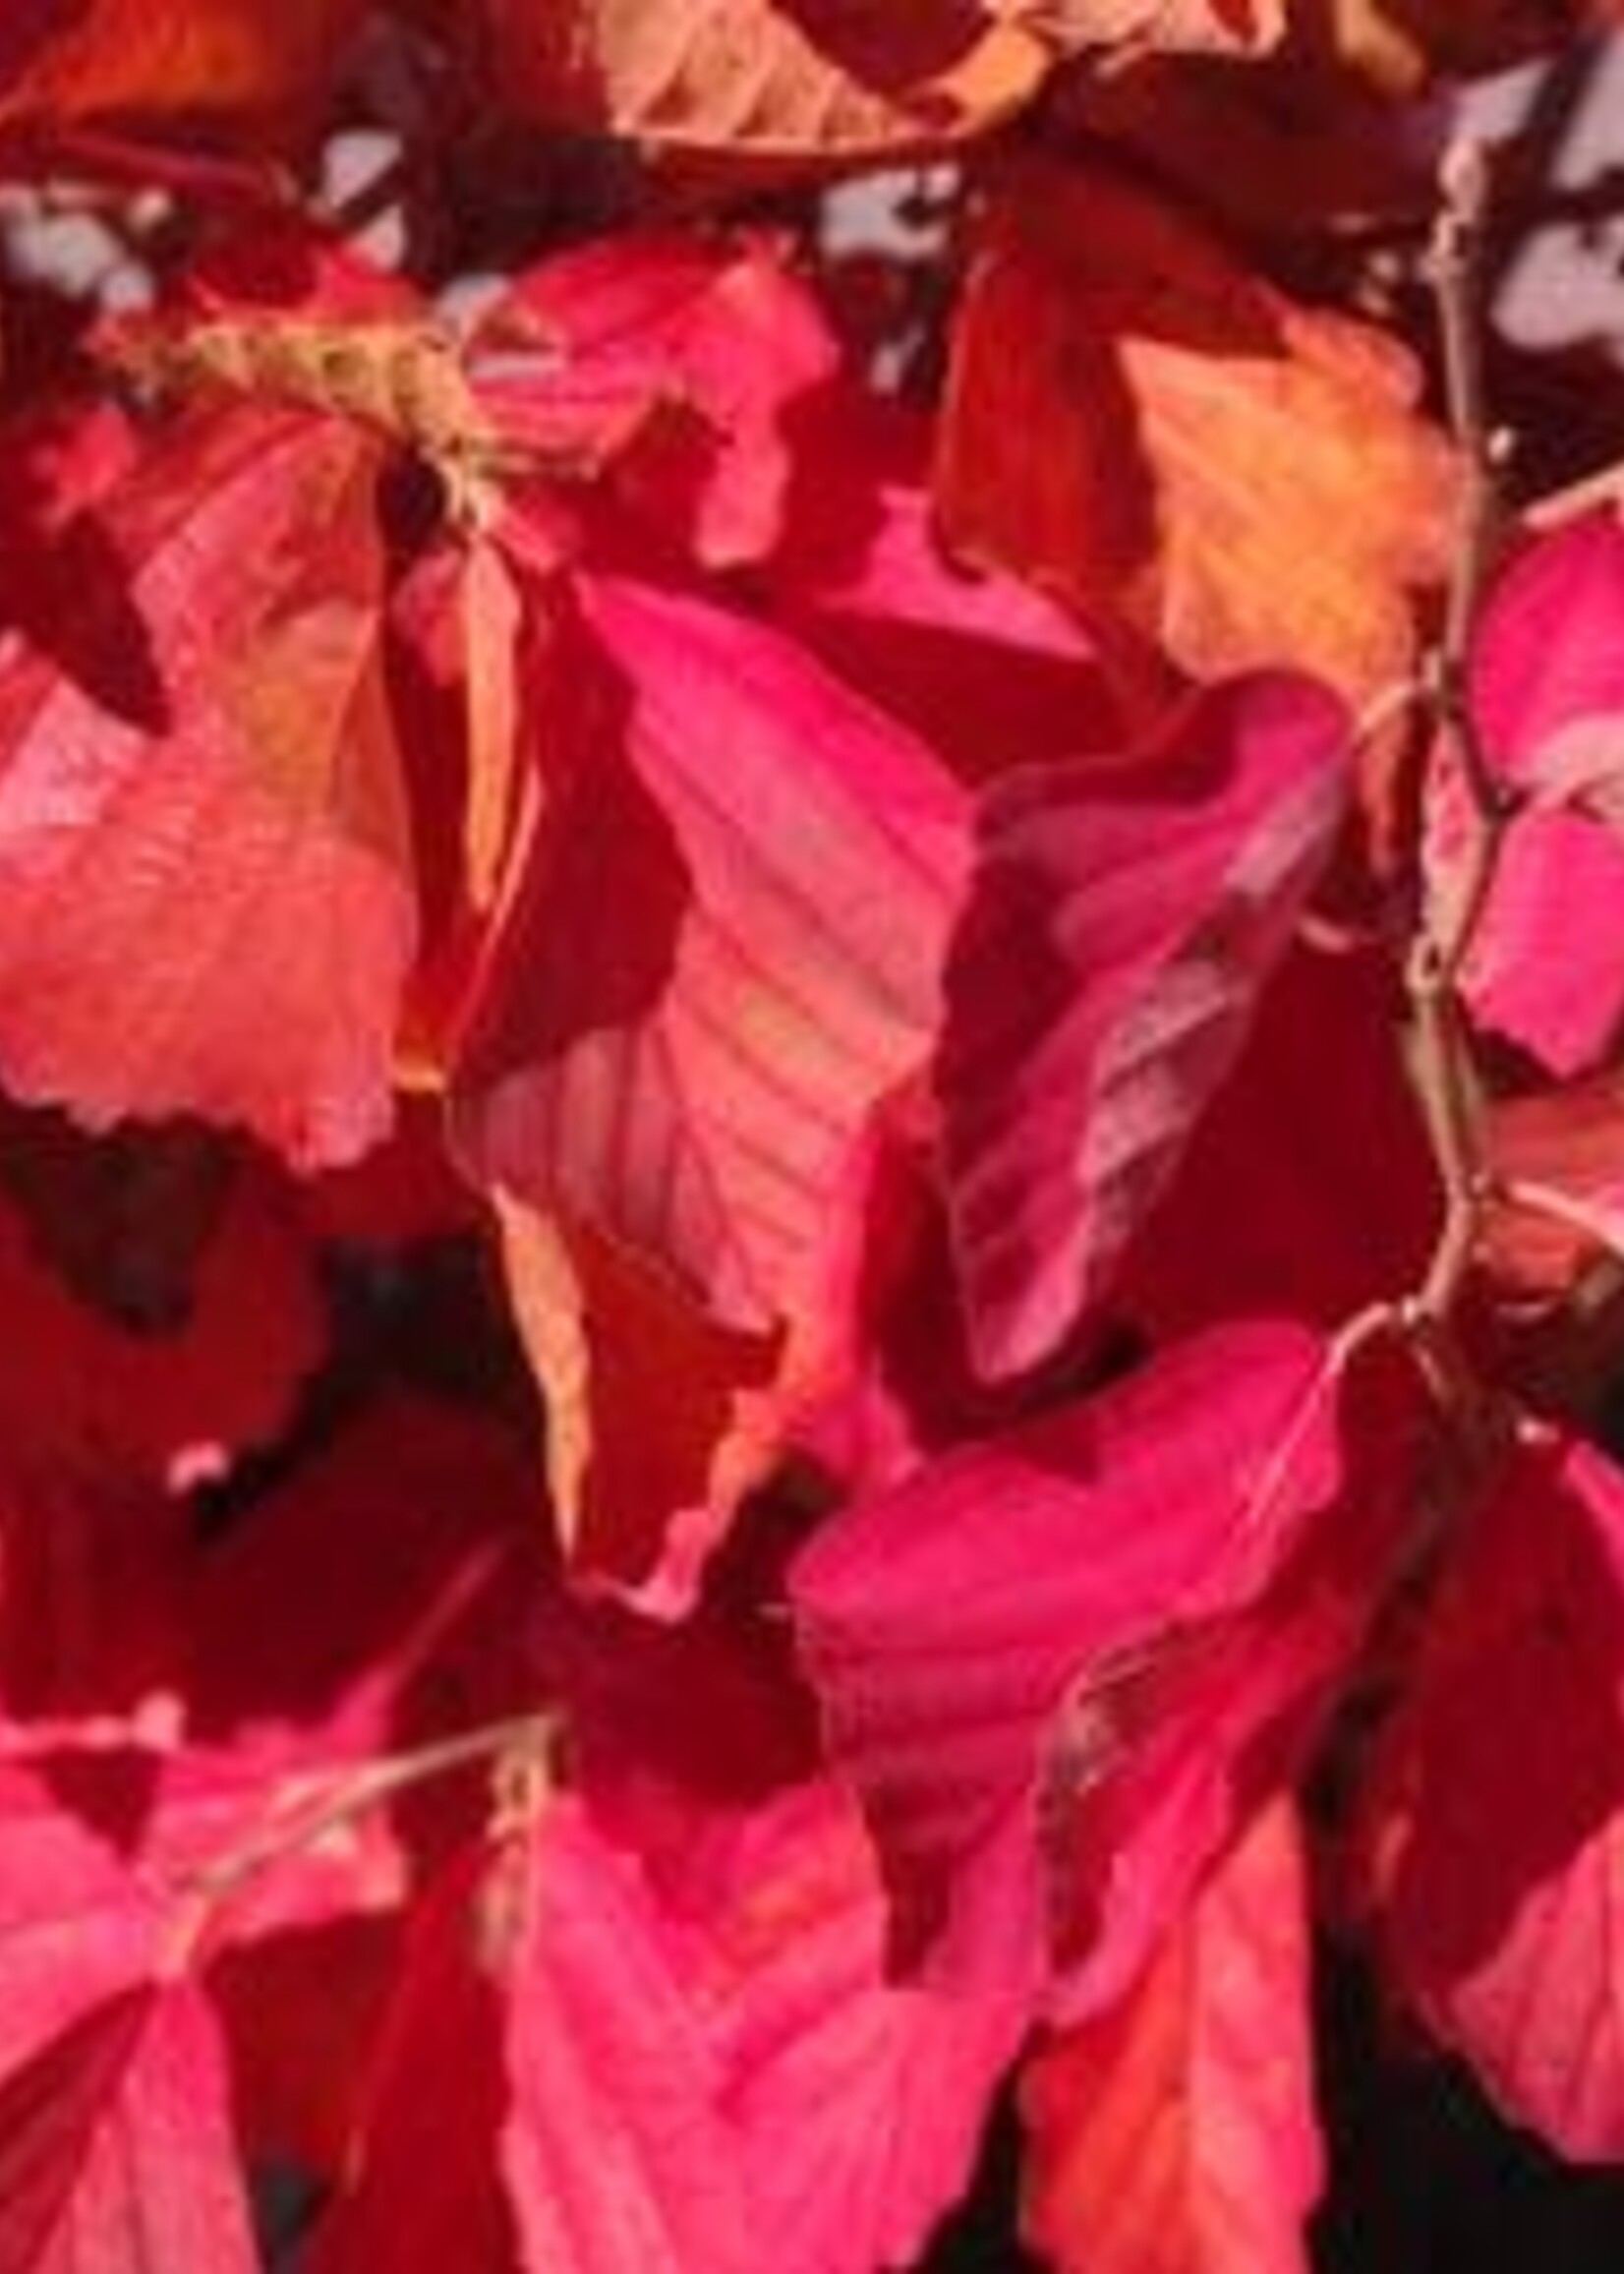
<point>1177,444</point>
<point>1229,27</point>
<point>1176,2133</point>
<point>490,619</point>
<point>66,62</point>
<point>1403,45</point>
<point>652,1432</point>
<point>764,77</point>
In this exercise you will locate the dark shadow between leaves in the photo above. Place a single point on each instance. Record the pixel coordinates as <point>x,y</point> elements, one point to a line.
<point>67,590</point>
<point>1519,1701</point>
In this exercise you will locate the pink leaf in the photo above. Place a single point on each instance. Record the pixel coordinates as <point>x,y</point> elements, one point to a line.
<point>76,1926</point>
<point>858,2105</point>
<point>1122,921</point>
<point>1548,666</point>
<point>589,2133</point>
<point>116,2148</point>
<point>723,952</point>
<point>614,2150</point>
<point>1545,966</point>
<point>115,1840</point>
<point>1175,2135</point>
<point>958,1627</point>
<point>1496,1803</point>
<point>694,2065</point>
<point>582,356</point>
<point>1548,691</point>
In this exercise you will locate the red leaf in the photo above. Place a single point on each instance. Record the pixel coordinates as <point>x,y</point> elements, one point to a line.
<point>702,2068</point>
<point>539,1975</point>
<point>116,2148</point>
<point>1496,1803</point>
<point>142,1354</point>
<point>1175,2135</point>
<point>747,1726</point>
<point>1341,1215</point>
<point>207,904</point>
<point>1557,1158</point>
<point>955,1626</point>
<point>423,2193</point>
<point>1121,923</point>
<point>902,1385</point>
<point>302,2010</point>
<point>658,1420</point>
<point>67,61</point>
<point>407,1190</point>
<point>408,1556</point>
<point>991,672</point>
<point>779,860</point>
<point>632,328</point>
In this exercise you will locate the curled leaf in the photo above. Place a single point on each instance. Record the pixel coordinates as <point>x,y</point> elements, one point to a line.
<point>1122,921</point>
<point>724,950</point>
<point>967,1632</point>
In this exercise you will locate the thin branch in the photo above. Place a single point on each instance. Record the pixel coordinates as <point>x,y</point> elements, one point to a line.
<point>1446,1084</point>
<point>1456,270</point>
<point>1440,1047</point>
<point>377,194</point>
<point>1605,486</point>
<point>105,157</point>
<point>336,1800</point>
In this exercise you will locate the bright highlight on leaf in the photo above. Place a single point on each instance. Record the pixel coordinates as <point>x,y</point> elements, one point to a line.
<point>763,79</point>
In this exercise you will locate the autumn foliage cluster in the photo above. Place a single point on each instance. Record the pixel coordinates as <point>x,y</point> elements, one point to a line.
<point>811,1128</point>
